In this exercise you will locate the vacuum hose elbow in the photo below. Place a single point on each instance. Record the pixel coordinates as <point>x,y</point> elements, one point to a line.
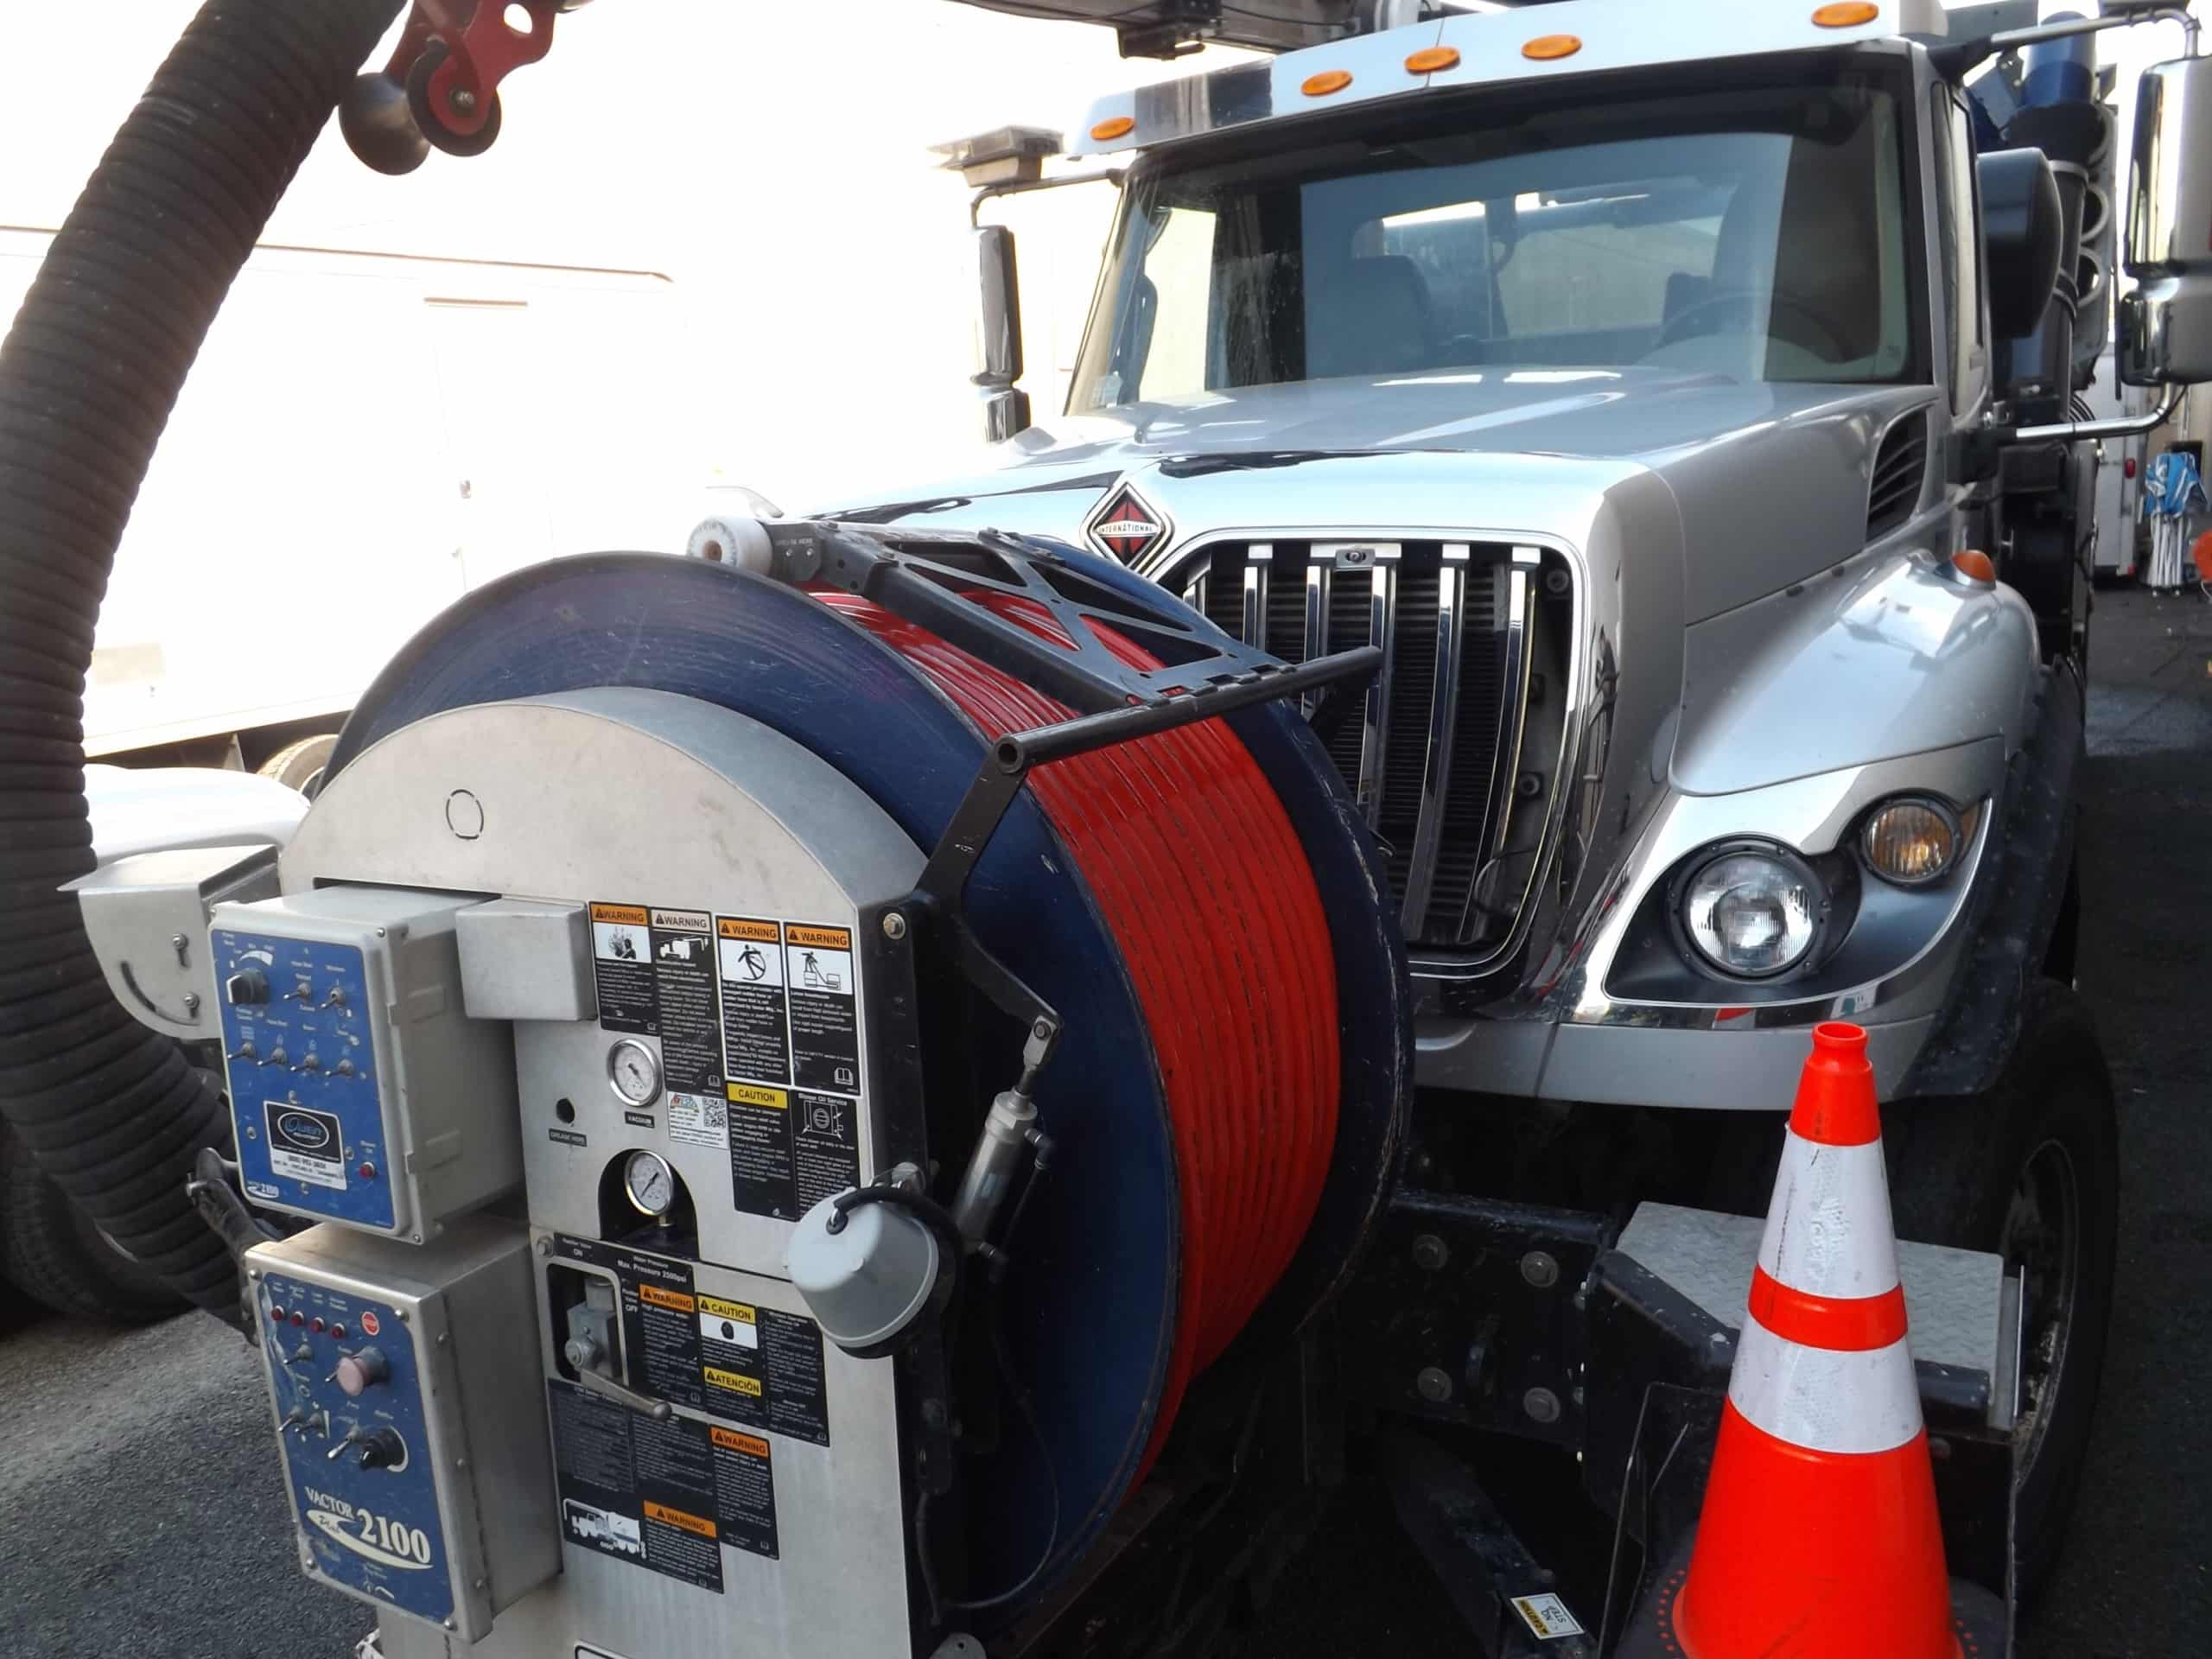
<point>88,376</point>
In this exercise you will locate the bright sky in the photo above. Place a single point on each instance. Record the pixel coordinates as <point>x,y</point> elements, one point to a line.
<point>772,159</point>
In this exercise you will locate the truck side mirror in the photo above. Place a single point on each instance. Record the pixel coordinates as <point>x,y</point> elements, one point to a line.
<point>2024,225</point>
<point>998,323</point>
<point>2165,325</point>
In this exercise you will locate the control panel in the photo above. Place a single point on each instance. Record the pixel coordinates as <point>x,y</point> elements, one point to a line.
<point>403,1388</point>
<point>348,1391</point>
<point>334,1004</point>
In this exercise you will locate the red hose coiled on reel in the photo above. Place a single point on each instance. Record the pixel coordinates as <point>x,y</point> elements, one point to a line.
<point>1207,890</point>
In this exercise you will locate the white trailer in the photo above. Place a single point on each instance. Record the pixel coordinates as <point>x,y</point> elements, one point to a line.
<point>474,388</point>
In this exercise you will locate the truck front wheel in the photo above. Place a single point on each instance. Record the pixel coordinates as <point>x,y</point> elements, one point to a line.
<point>50,1250</point>
<point>2031,1172</point>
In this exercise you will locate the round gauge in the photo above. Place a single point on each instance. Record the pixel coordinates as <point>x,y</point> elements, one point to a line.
<point>634,1070</point>
<point>650,1182</point>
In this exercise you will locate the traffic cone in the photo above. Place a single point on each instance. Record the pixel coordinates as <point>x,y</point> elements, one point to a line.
<point>1819,1538</point>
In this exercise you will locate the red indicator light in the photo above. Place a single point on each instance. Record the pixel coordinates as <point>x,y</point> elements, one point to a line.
<point>368,1172</point>
<point>299,1319</point>
<point>338,1331</point>
<point>316,1324</point>
<point>276,1313</point>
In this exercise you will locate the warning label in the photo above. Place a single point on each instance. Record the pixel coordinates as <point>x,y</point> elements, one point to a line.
<point>622,964</point>
<point>698,1121</point>
<point>764,1369</point>
<point>756,1032</point>
<point>825,1028</point>
<point>745,1488</point>
<point>752,1365</point>
<point>636,1490</point>
<point>659,1315</point>
<point>690,1014</point>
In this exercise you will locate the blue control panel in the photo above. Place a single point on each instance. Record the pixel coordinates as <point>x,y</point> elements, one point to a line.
<point>299,1046</point>
<point>348,1390</point>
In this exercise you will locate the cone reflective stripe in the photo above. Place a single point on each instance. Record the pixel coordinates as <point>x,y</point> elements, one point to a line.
<point>1819,1538</point>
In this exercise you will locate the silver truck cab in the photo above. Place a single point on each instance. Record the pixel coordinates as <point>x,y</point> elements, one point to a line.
<point>1606,365</point>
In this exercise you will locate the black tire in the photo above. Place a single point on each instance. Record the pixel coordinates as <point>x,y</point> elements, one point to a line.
<point>50,1250</point>
<point>2031,1171</point>
<point>300,765</point>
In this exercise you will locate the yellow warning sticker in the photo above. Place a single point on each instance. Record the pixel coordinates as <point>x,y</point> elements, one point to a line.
<point>735,1382</point>
<point>722,1309</point>
<point>745,927</point>
<point>730,1440</point>
<point>822,938</point>
<point>666,1517</point>
<point>634,915</point>
<point>752,1094</point>
<point>1547,1616</point>
<point>675,1300</point>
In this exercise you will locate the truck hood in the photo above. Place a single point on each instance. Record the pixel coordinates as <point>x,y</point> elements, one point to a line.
<point>1770,480</point>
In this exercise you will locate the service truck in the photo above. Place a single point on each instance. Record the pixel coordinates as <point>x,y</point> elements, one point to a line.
<point>919,1081</point>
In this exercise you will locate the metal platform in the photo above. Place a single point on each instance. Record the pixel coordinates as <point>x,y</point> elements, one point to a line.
<point>1962,1308</point>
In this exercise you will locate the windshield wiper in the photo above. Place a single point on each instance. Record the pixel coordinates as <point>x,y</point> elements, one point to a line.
<point>1236,461</point>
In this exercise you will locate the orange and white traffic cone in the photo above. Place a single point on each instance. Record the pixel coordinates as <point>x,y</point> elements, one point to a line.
<point>1819,1538</point>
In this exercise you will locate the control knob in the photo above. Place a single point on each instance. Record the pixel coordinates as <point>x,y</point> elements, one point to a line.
<point>246,987</point>
<point>381,1448</point>
<point>361,1370</point>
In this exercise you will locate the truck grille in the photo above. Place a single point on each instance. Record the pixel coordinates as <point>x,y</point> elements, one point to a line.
<point>1436,755</point>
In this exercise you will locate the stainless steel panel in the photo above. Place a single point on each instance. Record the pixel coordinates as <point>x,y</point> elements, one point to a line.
<point>837,1586</point>
<point>527,959</point>
<point>769,830</point>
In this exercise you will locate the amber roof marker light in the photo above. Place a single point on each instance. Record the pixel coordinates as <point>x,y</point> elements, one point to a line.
<point>1432,60</point>
<point>1549,49</point>
<point>1847,14</point>
<point>1118,126</point>
<point>1328,81</point>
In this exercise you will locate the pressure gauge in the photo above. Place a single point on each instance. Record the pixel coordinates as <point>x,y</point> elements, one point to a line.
<point>650,1182</point>
<point>634,1070</point>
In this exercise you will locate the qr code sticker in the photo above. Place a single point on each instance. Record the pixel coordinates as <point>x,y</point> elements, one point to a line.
<point>698,1121</point>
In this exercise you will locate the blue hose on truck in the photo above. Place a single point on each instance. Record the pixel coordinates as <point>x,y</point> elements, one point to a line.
<point>88,376</point>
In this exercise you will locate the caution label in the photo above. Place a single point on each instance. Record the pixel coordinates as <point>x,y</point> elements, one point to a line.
<point>763,1368</point>
<point>622,966</point>
<point>761,1170</point>
<point>789,1150</point>
<point>637,1490</point>
<point>824,1020</point>
<point>756,1030</point>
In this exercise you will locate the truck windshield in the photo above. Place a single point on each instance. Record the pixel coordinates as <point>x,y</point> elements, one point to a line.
<point>1757,234</point>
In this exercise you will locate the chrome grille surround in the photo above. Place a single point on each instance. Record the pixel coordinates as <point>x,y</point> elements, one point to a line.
<point>1465,789</point>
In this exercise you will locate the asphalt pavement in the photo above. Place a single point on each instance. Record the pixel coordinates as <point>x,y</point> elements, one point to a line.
<point>141,1511</point>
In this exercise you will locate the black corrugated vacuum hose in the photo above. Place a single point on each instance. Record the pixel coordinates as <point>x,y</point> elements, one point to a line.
<point>87,378</point>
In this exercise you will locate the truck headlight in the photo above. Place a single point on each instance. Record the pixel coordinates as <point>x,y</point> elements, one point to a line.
<point>1912,841</point>
<point>1753,911</point>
